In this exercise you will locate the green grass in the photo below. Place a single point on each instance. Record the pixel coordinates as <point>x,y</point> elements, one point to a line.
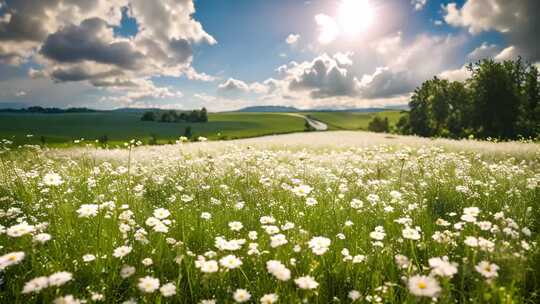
<point>358,190</point>
<point>353,120</point>
<point>119,127</point>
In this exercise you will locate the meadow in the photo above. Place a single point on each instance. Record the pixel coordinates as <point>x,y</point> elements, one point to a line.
<point>322,217</point>
<point>353,120</point>
<point>63,129</point>
<point>119,127</point>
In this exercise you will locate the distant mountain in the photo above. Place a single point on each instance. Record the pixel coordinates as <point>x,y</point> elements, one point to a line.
<point>269,109</point>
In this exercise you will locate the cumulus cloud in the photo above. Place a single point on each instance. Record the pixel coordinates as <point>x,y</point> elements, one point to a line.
<point>141,90</point>
<point>484,51</point>
<point>75,41</point>
<point>518,21</point>
<point>418,4</point>
<point>92,40</point>
<point>234,87</point>
<point>507,54</point>
<point>292,38</point>
<point>460,74</point>
<point>324,76</point>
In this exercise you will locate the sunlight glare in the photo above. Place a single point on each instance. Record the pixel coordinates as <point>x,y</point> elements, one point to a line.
<point>354,16</point>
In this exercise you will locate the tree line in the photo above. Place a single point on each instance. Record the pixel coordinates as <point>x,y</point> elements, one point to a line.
<point>176,116</point>
<point>42,110</point>
<point>499,100</point>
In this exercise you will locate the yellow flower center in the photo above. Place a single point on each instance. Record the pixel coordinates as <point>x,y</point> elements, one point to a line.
<point>422,285</point>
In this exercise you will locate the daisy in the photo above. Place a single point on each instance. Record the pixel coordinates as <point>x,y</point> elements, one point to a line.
<point>52,179</point>
<point>60,278</point>
<point>442,267</point>
<point>36,284</point>
<point>19,230</point>
<point>168,290</point>
<point>354,295</point>
<point>209,266</point>
<point>230,262</point>
<point>306,282</point>
<point>269,298</point>
<point>487,269</point>
<point>161,213</point>
<point>424,286</point>
<point>319,245</point>
<point>235,226</point>
<point>410,234</point>
<point>241,296</point>
<point>277,269</point>
<point>11,258</point>
<point>127,271</point>
<point>148,284</point>
<point>121,251</point>
<point>88,210</point>
<point>42,237</point>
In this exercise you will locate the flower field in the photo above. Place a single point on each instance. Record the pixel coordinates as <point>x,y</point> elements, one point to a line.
<point>259,224</point>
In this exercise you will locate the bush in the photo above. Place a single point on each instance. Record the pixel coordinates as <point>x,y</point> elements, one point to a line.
<point>148,116</point>
<point>377,124</point>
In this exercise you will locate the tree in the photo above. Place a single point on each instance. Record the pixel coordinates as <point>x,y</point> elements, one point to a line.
<point>496,92</point>
<point>459,118</point>
<point>203,115</point>
<point>187,132</point>
<point>148,116</point>
<point>529,121</point>
<point>378,124</point>
<point>429,108</point>
<point>403,126</point>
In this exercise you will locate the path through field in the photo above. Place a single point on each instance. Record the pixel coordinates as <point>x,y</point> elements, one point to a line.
<point>315,124</point>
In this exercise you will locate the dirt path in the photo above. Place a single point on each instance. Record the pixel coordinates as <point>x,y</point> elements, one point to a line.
<point>315,124</point>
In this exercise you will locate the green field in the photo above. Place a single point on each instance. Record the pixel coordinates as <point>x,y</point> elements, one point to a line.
<point>121,126</point>
<point>353,120</point>
<point>59,129</point>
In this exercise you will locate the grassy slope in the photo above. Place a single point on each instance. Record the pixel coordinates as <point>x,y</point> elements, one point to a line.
<point>60,128</point>
<point>353,120</point>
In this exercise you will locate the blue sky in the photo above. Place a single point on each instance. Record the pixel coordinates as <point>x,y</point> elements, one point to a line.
<point>230,54</point>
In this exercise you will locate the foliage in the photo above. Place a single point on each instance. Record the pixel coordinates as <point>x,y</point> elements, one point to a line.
<point>176,116</point>
<point>499,100</point>
<point>38,109</point>
<point>380,125</point>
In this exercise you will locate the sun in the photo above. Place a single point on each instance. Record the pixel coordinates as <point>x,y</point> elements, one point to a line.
<point>354,16</point>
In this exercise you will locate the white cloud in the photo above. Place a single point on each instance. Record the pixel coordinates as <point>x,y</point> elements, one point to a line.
<point>484,51</point>
<point>234,88</point>
<point>324,76</point>
<point>292,38</point>
<point>460,74</point>
<point>518,21</point>
<point>74,41</point>
<point>418,4</point>
<point>508,53</point>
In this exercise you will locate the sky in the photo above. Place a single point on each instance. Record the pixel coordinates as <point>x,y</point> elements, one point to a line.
<point>229,54</point>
